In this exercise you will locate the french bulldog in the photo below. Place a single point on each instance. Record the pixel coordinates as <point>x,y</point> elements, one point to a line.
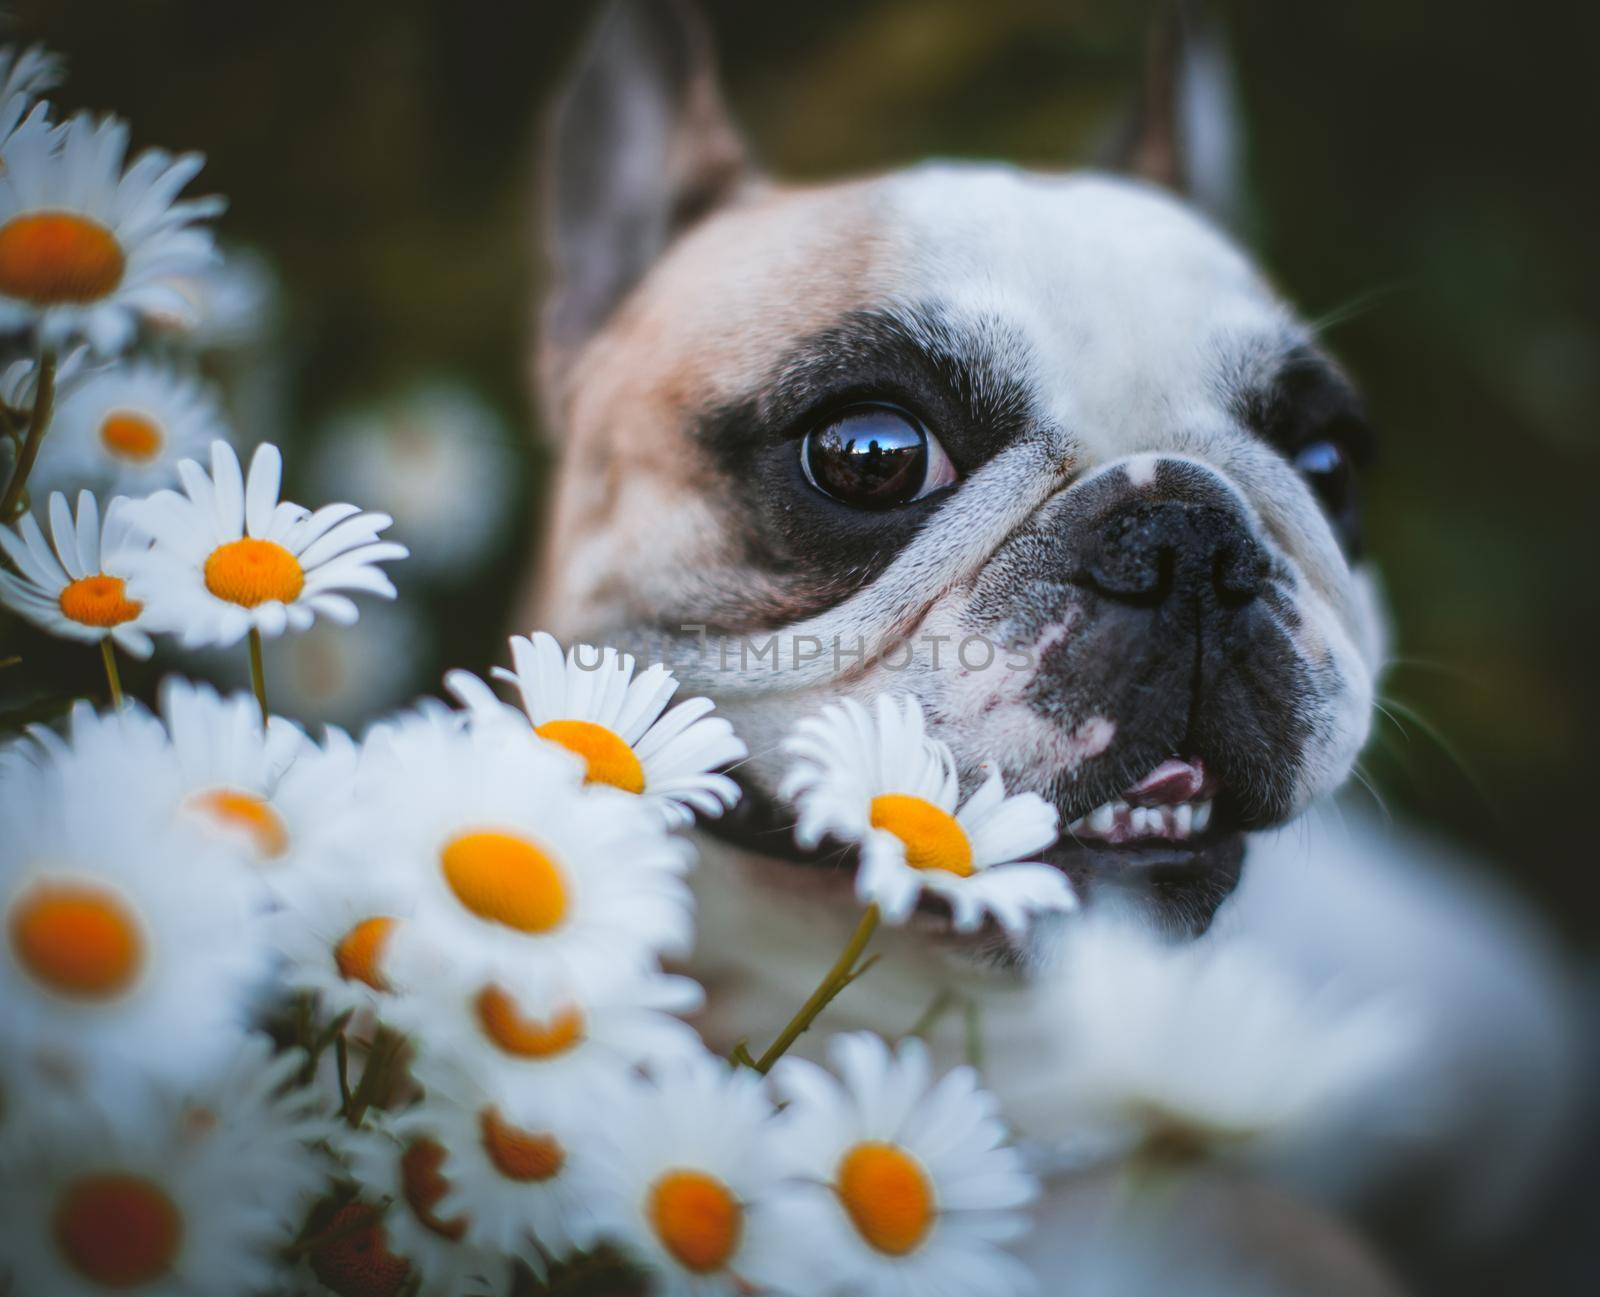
<point>1045,450</point>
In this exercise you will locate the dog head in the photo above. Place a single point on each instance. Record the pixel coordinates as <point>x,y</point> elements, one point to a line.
<point>1045,450</point>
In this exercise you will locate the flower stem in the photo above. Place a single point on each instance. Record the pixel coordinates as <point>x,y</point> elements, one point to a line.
<point>109,656</point>
<point>258,675</point>
<point>44,398</point>
<point>843,972</point>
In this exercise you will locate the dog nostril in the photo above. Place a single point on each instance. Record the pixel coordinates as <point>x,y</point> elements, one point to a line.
<point>1146,553</point>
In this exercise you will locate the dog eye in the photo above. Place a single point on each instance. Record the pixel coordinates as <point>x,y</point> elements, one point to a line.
<point>875,457</point>
<point>1327,468</point>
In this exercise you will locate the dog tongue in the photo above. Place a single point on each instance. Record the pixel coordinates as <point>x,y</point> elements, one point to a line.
<point>1171,782</point>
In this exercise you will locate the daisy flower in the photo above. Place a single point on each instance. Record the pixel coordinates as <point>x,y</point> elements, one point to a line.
<point>335,929</point>
<point>230,304</point>
<point>527,878</point>
<point>125,428</point>
<point>23,78</point>
<point>125,938</point>
<point>591,703</point>
<point>85,245</point>
<point>908,1185</point>
<point>881,782</point>
<point>692,1182</point>
<point>421,453</point>
<point>1181,1052</point>
<point>230,557</point>
<point>397,1159</point>
<point>521,1170</point>
<point>77,588</point>
<point>186,1193</point>
<point>559,1044</point>
<point>265,789</point>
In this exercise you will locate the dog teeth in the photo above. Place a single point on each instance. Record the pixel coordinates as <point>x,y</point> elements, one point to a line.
<point>1117,822</point>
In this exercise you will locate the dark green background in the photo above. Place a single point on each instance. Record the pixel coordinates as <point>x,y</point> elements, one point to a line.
<point>1422,177</point>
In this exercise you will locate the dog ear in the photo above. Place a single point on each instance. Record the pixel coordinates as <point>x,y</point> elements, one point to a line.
<point>1184,132</point>
<point>640,148</point>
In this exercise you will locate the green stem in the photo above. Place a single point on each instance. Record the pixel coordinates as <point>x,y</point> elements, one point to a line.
<point>44,398</point>
<point>258,675</point>
<point>109,656</point>
<point>842,973</point>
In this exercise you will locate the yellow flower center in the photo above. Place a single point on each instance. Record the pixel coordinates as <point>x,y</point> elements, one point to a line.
<point>98,601</point>
<point>887,1196</point>
<point>422,1184</point>
<point>608,758</point>
<point>52,258</point>
<point>359,954</point>
<point>521,1155</point>
<point>356,1261</point>
<point>118,1231</point>
<point>932,838</point>
<point>503,1022</point>
<point>251,814</point>
<point>696,1218</point>
<point>505,879</point>
<point>250,572</point>
<point>131,436</point>
<point>77,940</point>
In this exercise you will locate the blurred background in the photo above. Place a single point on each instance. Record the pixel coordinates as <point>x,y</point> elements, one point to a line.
<point>1422,181</point>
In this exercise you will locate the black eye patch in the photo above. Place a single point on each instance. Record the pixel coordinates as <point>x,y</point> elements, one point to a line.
<point>966,384</point>
<point>1310,412</point>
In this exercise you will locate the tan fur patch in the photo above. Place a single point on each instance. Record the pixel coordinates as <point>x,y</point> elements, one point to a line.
<point>707,325</point>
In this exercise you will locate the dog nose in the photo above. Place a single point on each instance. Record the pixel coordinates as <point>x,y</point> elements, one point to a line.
<point>1150,552</point>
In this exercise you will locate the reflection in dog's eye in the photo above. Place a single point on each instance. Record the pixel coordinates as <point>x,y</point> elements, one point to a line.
<point>875,457</point>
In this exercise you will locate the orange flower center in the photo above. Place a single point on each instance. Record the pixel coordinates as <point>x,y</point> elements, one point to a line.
<point>608,758</point>
<point>251,814</point>
<point>77,940</point>
<point>250,572</point>
<point>98,601</point>
<point>887,1196</point>
<point>696,1218</point>
<point>521,1155</point>
<point>505,879</point>
<point>356,1261</point>
<point>359,953</point>
<point>523,1037</point>
<point>422,1183</point>
<point>131,436</point>
<point>52,258</point>
<point>932,838</point>
<point>118,1231</point>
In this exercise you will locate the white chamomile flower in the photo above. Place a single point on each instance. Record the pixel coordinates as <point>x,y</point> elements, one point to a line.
<point>521,1170</point>
<point>394,1159</point>
<point>908,1187</point>
<point>591,703</point>
<point>692,1182</point>
<point>266,789</point>
<point>231,303</point>
<point>128,940</point>
<point>23,78</point>
<point>527,877</point>
<point>124,428</point>
<point>230,557</point>
<point>560,1043</point>
<point>883,783</point>
<point>1205,1048</point>
<point>335,929</point>
<point>77,587</point>
<point>421,453</point>
<point>84,244</point>
<point>186,1192</point>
